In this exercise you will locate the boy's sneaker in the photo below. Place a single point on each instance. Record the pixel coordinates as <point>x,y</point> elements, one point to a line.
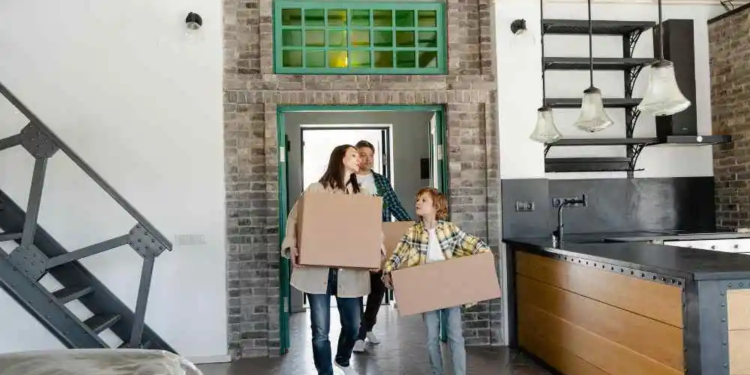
<point>372,338</point>
<point>359,346</point>
<point>348,370</point>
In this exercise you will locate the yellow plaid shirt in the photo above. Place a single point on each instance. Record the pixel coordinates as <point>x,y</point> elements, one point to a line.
<point>412,250</point>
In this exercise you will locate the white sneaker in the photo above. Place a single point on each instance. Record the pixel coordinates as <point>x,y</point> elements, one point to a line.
<point>349,370</point>
<point>372,338</point>
<point>359,346</point>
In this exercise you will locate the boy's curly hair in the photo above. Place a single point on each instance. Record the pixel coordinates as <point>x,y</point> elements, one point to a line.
<point>438,201</point>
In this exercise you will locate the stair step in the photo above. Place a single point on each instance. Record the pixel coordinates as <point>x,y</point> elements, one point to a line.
<point>608,102</point>
<point>99,323</point>
<point>66,295</point>
<point>600,27</point>
<point>600,63</point>
<point>126,345</point>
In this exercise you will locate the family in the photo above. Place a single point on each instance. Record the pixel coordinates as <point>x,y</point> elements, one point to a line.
<point>431,239</point>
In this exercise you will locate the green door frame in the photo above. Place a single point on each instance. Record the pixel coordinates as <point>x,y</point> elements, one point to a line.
<point>284,264</point>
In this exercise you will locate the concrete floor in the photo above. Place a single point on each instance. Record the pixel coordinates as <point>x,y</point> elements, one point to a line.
<point>402,352</point>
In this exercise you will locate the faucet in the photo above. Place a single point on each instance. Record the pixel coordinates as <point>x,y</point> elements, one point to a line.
<point>557,235</point>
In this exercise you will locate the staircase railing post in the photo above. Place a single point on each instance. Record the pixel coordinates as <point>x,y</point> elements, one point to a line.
<point>142,301</point>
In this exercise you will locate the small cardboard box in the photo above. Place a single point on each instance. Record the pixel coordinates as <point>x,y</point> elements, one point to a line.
<point>393,232</point>
<point>449,283</point>
<point>339,230</point>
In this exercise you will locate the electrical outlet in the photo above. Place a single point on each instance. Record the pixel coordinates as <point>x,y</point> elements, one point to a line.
<point>556,202</point>
<point>524,206</point>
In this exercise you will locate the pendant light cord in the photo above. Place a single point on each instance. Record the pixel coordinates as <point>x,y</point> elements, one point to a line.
<point>591,47</point>
<point>544,68</point>
<point>661,35</point>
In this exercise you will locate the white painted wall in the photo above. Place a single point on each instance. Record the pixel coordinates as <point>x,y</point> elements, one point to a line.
<point>120,83</point>
<point>520,89</point>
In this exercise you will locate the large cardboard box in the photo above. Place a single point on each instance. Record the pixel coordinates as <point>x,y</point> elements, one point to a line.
<point>339,230</point>
<point>393,232</point>
<point>449,283</point>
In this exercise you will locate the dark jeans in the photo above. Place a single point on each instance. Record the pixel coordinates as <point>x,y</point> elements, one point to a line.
<point>320,317</point>
<point>374,301</point>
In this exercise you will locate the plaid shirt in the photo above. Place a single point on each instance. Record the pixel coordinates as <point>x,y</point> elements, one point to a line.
<point>412,250</point>
<point>391,204</point>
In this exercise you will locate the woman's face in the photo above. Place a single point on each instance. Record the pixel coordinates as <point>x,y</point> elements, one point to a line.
<point>424,206</point>
<point>351,160</point>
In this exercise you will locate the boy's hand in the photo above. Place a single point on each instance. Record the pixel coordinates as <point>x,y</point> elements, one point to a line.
<point>387,281</point>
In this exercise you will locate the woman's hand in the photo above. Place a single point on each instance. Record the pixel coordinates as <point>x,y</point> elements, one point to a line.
<point>294,257</point>
<point>387,281</point>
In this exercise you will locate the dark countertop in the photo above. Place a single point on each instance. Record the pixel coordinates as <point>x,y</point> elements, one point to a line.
<point>686,263</point>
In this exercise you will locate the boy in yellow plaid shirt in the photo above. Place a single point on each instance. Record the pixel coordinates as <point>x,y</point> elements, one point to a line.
<point>433,239</point>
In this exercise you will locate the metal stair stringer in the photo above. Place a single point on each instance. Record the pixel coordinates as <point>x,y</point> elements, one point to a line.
<point>79,284</point>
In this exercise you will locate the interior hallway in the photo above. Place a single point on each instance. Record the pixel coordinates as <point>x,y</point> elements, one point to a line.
<point>402,352</point>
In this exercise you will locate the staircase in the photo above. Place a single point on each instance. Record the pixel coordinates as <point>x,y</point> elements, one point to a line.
<point>38,254</point>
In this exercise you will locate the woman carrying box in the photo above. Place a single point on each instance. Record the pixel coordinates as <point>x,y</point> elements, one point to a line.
<point>320,283</point>
<point>430,240</point>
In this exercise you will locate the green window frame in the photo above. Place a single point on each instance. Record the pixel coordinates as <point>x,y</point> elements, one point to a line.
<point>314,37</point>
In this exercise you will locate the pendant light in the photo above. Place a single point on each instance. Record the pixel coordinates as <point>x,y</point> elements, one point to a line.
<point>545,130</point>
<point>593,117</point>
<point>663,96</point>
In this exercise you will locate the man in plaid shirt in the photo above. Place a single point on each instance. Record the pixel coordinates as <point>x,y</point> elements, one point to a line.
<point>392,207</point>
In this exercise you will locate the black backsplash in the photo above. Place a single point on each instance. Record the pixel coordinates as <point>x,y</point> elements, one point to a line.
<point>614,205</point>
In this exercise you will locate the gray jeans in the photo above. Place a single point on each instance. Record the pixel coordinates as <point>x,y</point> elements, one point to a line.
<point>455,340</point>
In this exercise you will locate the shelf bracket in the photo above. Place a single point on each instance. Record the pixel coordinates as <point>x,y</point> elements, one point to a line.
<point>546,149</point>
<point>634,151</point>
<point>633,74</point>
<point>631,119</point>
<point>633,40</point>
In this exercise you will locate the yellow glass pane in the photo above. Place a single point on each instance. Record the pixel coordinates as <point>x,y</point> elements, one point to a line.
<point>404,38</point>
<point>315,38</point>
<point>314,17</point>
<point>427,18</point>
<point>383,59</point>
<point>361,38</point>
<point>382,18</point>
<point>291,59</point>
<point>404,18</point>
<point>337,17</point>
<point>291,17</point>
<point>337,38</point>
<point>360,59</point>
<point>360,17</point>
<point>338,59</point>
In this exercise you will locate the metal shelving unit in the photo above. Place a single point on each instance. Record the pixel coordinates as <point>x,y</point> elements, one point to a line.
<point>630,31</point>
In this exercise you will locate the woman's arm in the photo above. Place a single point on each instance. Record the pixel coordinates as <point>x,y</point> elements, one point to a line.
<point>467,244</point>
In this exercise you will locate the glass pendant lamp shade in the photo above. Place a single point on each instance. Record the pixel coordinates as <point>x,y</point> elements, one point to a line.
<point>663,96</point>
<point>545,130</point>
<point>593,118</point>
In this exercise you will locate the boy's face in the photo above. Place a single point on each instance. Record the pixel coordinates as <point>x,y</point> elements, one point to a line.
<point>425,207</point>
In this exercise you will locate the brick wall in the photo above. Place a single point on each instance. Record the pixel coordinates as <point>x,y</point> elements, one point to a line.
<point>729,45</point>
<point>252,94</point>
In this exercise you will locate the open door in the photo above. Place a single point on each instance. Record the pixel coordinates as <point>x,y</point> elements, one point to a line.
<point>437,153</point>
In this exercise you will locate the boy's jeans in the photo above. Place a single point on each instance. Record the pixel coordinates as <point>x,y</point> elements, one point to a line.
<point>455,340</point>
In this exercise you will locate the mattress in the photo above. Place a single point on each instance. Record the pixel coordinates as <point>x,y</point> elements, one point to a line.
<point>96,362</point>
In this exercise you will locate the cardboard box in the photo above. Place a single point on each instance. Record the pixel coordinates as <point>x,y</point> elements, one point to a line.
<point>393,232</point>
<point>449,283</point>
<point>339,230</point>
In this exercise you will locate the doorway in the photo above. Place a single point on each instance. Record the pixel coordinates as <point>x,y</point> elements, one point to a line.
<point>307,134</point>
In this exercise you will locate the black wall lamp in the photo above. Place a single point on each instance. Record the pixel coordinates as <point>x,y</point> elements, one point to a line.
<point>194,21</point>
<point>518,26</point>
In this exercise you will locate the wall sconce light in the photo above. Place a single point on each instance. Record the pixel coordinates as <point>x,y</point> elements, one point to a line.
<point>521,33</point>
<point>194,21</point>
<point>518,26</point>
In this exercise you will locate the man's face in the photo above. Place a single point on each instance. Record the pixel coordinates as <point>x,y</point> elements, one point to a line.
<point>366,158</point>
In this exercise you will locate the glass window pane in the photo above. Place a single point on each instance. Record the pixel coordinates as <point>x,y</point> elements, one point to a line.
<point>404,39</point>
<point>360,17</point>
<point>428,39</point>
<point>382,18</point>
<point>382,38</point>
<point>314,17</point>
<point>405,59</point>
<point>337,38</point>
<point>337,59</point>
<point>361,38</point>
<point>291,38</point>
<point>384,59</point>
<point>291,59</point>
<point>404,18</point>
<point>428,59</point>
<point>291,17</point>
<point>315,38</point>
<point>360,59</point>
<point>427,18</point>
<point>337,17</point>
<point>315,59</point>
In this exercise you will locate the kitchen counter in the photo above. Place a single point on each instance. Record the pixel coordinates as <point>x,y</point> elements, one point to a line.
<point>615,303</point>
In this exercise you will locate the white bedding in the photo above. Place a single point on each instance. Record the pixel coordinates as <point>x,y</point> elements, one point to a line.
<point>96,362</point>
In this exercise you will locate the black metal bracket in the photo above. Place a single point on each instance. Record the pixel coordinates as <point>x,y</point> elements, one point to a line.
<point>546,149</point>
<point>633,74</point>
<point>631,119</point>
<point>633,40</point>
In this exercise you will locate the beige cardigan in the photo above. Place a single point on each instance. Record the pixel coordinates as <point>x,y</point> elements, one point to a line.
<point>314,280</point>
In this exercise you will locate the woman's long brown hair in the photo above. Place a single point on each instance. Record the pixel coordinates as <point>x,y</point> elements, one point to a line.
<point>334,175</point>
